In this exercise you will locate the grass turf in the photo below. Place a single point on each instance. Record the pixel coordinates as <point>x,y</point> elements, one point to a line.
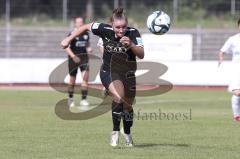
<point>30,128</point>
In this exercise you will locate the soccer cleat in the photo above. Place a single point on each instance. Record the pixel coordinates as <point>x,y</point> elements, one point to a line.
<point>114,138</point>
<point>128,139</point>
<point>71,102</point>
<point>237,118</point>
<point>84,104</point>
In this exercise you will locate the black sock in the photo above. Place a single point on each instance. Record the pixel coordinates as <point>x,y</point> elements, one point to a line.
<point>128,121</point>
<point>70,90</point>
<point>84,94</point>
<point>117,109</point>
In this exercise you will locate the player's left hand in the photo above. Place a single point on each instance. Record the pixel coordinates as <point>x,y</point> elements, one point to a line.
<point>65,42</point>
<point>126,41</point>
<point>76,59</point>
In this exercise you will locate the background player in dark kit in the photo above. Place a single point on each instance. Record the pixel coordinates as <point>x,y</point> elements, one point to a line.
<point>78,58</point>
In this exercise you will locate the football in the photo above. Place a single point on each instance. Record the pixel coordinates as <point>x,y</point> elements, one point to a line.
<point>158,22</point>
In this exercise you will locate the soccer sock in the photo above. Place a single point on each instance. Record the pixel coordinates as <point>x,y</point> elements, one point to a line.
<point>128,121</point>
<point>117,109</point>
<point>70,90</point>
<point>235,105</point>
<point>84,94</point>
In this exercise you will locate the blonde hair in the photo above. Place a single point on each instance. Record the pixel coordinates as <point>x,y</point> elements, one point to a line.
<point>118,13</point>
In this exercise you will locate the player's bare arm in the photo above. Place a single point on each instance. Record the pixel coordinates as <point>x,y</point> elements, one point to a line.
<point>69,52</point>
<point>65,42</point>
<point>221,57</point>
<point>72,55</point>
<point>137,50</point>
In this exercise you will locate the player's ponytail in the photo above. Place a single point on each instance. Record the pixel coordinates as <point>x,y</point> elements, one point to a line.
<point>118,13</point>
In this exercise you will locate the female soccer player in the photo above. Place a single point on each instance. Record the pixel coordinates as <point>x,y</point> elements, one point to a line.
<point>232,46</point>
<point>122,44</point>
<point>77,57</point>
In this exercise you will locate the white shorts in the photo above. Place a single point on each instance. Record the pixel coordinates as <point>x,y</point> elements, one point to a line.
<point>235,79</point>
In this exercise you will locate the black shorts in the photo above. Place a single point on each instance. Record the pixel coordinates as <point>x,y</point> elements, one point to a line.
<point>73,67</point>
<point>129,81</point>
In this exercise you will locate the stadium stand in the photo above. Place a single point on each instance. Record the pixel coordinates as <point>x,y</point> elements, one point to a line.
<point>44,42</point>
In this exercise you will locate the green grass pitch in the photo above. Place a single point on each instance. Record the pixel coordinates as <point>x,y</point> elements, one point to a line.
<point>201,128</point>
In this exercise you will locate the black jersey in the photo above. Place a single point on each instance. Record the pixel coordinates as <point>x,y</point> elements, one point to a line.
<point>79,44</point>
<point>112,44</point>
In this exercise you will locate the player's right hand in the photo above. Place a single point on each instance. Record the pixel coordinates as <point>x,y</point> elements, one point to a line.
<point>76,59</point>
<point>65,43</point>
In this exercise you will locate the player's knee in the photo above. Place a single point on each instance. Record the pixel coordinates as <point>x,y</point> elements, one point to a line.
<point>71,84</point>
<point>118,98</point>
<point>84,84</point>
<point>72,79</point>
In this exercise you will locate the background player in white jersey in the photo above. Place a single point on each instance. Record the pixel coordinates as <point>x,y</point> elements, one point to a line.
<point>100,46</point>
<point>78,58</point>
<point>232,46</point>
<point>122,44</point>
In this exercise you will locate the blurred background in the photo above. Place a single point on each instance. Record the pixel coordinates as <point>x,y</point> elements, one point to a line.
<point>31,31</point>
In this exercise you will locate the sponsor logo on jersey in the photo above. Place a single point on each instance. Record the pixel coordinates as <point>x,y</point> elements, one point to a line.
<point>85,37</point>
<point>139,41</point>
<point>80,44</point>
<point>95,25</point>
<point>112,47</point>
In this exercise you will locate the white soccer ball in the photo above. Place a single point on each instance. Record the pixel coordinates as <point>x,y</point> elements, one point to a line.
<point>158,22</point>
